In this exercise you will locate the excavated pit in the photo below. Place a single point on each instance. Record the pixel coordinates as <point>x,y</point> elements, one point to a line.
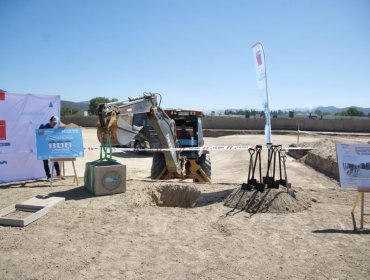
<point>269,201</point>
<point>168,195</point>
<point>322,157</point>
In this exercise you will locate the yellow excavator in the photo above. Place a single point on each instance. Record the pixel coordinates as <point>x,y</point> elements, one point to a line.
<point>173,128</point>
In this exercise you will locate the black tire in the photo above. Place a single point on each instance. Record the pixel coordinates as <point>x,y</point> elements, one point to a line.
<point>205,163</point>
<point>158,164</point>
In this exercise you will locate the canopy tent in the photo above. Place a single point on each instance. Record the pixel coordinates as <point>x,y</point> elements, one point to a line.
<point>20,116</point>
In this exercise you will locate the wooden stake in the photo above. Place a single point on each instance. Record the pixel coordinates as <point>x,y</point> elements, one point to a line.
<point>360,196</point>
<point>298,135</point>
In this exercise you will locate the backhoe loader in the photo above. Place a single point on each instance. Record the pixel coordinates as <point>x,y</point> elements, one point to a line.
<point>173,128</point>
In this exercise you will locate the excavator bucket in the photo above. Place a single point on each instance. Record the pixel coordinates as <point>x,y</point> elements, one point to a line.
<point>190,169</point>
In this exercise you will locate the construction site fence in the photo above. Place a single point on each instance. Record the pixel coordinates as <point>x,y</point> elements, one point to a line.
<point>226,123</point>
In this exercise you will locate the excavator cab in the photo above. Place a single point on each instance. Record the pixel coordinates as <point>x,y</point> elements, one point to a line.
<point>189,132</point>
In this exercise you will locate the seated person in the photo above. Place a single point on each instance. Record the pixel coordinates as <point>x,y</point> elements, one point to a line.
<point>183,133</point>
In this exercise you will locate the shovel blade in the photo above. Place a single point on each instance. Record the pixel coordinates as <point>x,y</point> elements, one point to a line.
<point>247,187</point>
<point>252,182</point>
<point>282,182</point>
<point>269,181</point>
<point>259,187</point>
<point>275,184</point>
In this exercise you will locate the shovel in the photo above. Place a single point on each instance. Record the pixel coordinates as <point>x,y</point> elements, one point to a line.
<point>247,186</point>
<point>282,158</point>
<point>285,181</point>
<point>275,183</point>
<point>268,180</point>
<point>258,185</point>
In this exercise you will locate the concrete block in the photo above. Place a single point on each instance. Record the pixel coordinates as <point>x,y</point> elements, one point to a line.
<point>105,178</point>
<point>38,206</point>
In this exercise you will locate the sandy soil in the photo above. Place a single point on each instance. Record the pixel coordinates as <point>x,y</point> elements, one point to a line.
<point>126,236</point>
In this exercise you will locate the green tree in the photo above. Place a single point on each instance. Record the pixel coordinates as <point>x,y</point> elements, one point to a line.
<point>318,112</point>
<point>94,103</point>
<point>68,111</point>
<point>351,111</point>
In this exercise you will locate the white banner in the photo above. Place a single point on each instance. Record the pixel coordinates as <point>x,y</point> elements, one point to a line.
<point>354,165</point>
<point>260,66</point>
<point>20,116</point>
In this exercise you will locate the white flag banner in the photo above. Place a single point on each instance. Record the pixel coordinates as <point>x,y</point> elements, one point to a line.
<point>260,65</point>
<point>20,116</point>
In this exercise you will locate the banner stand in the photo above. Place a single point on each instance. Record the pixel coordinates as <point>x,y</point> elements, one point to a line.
<point>62,168</point>
<point>360,196</point>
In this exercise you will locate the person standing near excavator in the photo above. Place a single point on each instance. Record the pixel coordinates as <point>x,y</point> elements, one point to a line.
<point>51,124</point>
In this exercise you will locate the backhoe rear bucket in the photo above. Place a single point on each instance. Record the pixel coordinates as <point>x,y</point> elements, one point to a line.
<point>197,173</point>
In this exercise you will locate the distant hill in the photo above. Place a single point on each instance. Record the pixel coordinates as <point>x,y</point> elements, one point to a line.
<point>80,106</point>
<point>333,110</point>
<point>84,106</point>
<point>328,109</point>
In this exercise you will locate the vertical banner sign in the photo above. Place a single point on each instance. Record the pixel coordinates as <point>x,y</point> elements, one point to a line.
<point>260,65</point>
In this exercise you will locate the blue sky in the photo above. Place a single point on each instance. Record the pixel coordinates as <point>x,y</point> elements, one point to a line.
<point>197,54</point>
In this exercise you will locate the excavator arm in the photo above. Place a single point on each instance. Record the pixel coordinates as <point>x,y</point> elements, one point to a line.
<point>109,124</point>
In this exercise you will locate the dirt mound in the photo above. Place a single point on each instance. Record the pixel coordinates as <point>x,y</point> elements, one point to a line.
<point>70,125</point>
<point>168,196</point>
<point>269,201</point>
<point>322,158</point>
<point>297,154</point>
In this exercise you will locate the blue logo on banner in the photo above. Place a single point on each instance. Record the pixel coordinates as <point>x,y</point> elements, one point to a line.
<point>50,105</point>
<point>59,143</point>
<point>4,144</point>
<point>3,162</point>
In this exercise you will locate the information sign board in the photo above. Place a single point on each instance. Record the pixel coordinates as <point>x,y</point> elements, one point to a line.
<point>354,165</point>
<point>59,143</point>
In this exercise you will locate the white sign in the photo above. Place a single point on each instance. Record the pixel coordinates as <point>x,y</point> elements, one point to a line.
<point>260,65</point>
<point>20,116</point>
<point>354,165</point>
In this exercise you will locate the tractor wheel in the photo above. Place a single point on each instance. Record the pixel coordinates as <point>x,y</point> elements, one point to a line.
<point>158,165</point>
<point>205,163</point>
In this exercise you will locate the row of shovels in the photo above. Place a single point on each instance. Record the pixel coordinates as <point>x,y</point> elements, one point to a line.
<point>275,155</point>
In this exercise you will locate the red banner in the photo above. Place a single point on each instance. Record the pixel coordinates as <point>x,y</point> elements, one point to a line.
<point>2,129</point>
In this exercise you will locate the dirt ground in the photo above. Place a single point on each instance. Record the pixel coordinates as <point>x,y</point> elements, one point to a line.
<point>126,236</point>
